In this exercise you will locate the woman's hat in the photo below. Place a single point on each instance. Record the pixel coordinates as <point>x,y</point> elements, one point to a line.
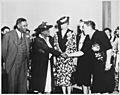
<point>43,27</point>
<point>63,20</point>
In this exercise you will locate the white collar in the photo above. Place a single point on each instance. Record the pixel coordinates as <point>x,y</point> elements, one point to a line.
<point>63,32</point>
<point>19,33</point>
<point>42,37</point>
<point>46,40</point>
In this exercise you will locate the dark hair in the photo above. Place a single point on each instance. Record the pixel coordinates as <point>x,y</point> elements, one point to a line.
<point>90,23</point>
<point>79,31</point>
<point>5,27</point>
<point>56,26</point>
<point>116,33</point>
<point>81,20</point>
<point>19,20</point>
<point>107,29</point>
<point>117,28</point>
<point>28,30</point>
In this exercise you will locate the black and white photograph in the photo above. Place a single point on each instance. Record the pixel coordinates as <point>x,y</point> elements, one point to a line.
<point>60,46</point>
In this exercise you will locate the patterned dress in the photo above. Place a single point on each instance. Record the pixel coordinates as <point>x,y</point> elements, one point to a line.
<point>63,68</point>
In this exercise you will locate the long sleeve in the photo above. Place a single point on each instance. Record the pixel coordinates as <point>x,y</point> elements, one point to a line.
<point>42,46</point>
<point>5,43</point>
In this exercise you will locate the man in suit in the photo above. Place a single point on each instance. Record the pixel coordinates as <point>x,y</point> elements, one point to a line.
<point>4,30</point>
<point>15,52</point>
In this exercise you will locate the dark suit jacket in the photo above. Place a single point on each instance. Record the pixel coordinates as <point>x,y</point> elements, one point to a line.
<point>40,57</point>
<point>9,49</point>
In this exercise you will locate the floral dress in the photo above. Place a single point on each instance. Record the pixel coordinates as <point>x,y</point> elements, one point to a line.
<point>64,67</point>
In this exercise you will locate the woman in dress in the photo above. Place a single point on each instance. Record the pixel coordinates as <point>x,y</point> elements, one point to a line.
<point>101,59</point>
<point>116,53</point>
<point>83,70</point>
<point>41,56</point>
<point>64,41</point>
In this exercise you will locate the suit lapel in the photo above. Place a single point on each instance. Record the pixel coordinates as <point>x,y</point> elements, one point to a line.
<point>65,36</point>
<point>51,40</point>
<point>44,42</point>
<point>27,44</point>
<point>62,41</point>
<point>60,35</point>
<point>15,38</point>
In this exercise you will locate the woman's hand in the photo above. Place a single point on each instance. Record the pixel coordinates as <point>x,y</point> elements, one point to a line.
<point>64,55</point>
<point>76,54</point>
<point>108,66</point>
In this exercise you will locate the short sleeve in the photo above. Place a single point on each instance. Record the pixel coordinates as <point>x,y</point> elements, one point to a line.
<point>105,42</point>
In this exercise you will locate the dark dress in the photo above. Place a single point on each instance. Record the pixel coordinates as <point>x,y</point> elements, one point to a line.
<point>39,65</point>
<point>83,71</point>
<point>103,81</point>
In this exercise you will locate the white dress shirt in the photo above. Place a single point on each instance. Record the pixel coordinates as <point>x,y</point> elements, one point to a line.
<point>19,33</point>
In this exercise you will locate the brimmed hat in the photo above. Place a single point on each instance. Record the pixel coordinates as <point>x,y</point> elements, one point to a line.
<point>63,20</point>
<point>43,27</point>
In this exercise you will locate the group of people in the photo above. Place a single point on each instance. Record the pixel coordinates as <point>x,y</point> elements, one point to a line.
<point>65,60</point>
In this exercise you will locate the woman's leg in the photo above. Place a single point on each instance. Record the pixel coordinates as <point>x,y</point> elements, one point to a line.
<point>69,89</point>
<point>89,90</point>
<point>64,89</point>
<point>85,89</point>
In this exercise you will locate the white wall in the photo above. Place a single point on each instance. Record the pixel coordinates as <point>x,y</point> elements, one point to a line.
<point>115,13</point>
<point>36,11</point>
